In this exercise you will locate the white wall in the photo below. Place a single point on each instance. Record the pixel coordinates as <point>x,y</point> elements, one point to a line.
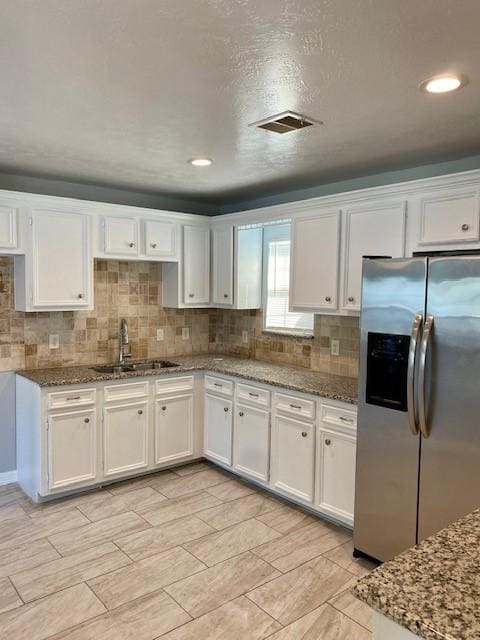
<point>7,422</point>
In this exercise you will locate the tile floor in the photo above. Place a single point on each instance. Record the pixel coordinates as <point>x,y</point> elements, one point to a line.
<point>187,554</point>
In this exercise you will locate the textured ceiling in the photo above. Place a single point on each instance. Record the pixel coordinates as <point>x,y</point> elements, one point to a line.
<point>123,92</point>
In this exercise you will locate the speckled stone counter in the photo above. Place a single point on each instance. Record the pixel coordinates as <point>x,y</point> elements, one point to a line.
<point>433,589</point>
<point>287,377</point>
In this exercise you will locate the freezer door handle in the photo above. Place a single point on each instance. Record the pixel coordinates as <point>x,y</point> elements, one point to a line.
<point>422,412</point>
<point>412,354</point>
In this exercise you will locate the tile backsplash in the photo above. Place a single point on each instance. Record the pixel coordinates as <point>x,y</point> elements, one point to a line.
<point>134,290</point>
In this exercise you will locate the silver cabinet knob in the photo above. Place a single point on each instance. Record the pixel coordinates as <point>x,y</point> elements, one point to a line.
<point>241,414</point>
<point>164,408</point>
<point>465,227</point>
<point>351,299</point>
<point>191,295</point>
<point>328,299</point>
<point>328,442</point>
<point>153,245</point>
<point>87,420</point>
<point>131,244</point>
<point>140,412</point>
<point>225,295</point>
<point>225,409</point>
<point>80,296</point>
<point>304,434</point>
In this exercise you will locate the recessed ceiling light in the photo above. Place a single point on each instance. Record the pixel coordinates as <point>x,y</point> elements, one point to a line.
<point>443,84</point>
<point>201,162</point>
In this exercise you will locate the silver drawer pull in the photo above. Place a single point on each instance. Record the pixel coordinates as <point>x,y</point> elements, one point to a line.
<point>140,412</point>
<point>465,227</point>
<point>328,442</point>
<point>296,406</point>
<point>225,409</point>
<point>74,398</point>
<point>343,419</point>
<point>225,295</point>
<point>164,408</point>
<point>328,299</point>
<point>153,245</point>
<point>131,244</point>
<point>217,384</point>
<point>253,395</point>
<point>191,295</point>
<point>351,299</point>
<point>80,296</point>
<point>304,434</point>
<point>87,420</point>
<point>241,414</point>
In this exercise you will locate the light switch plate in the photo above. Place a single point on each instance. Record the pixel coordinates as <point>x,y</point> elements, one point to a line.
<point>185,333</point>
<point>335,347</point>
<point>54,341</point>
<point>160,335</point>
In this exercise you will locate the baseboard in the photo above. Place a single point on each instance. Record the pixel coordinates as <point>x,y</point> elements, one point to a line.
<point>7,477</point>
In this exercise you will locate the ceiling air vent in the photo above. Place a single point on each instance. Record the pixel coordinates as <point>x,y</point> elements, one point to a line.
<point>285,122</point>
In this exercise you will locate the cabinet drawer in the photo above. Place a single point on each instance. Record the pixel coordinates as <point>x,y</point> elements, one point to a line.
<point>338,417</point>
<point>253,395</point>
<point>173,385</point>
<point>125,391</point>
<point>72,398</point>
<point>294,405</point>
<point>218,385</point>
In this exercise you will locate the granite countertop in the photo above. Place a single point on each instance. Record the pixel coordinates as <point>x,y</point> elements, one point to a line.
<point>288,377</point>
<point>432,589</point>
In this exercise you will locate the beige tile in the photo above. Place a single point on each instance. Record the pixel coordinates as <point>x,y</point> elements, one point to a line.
<point>231,490</point>
<point>10,493</point>
<point>108,505</point>
<point>179,507</point>
<point>213,587</point>
<point>61,504</point>
<point>66,572</point>
<point>166,536</point>
<point>190,484</point>
<point>325,623</point>
<point>302,545</point>
<point>95,533</point>
<point>152,479</point>
<point>298,592</point>
<point>348,604</point>
<point>26,556</point>
<point>227,543</point>
<point>188,469</point>
<point>147,618</point>
<point>237,619</point>
<point>8,596</point>
<point>343,556</point>
<point>138,579</point>
<point>12,511</point>
<point>286,519</point>
<point>51,615</point>
<point>226,515</point>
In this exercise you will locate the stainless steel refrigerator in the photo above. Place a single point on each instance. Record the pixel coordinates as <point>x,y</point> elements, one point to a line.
<point>418,447</point>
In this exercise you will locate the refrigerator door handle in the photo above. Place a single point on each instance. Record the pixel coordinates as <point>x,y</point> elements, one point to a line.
<point>422,413</point>
<point>412,354</point>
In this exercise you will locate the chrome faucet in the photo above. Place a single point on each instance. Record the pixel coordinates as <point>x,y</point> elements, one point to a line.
<point>123,341</point>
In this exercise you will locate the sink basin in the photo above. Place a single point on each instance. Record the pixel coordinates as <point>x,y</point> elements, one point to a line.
<point>150,365</point>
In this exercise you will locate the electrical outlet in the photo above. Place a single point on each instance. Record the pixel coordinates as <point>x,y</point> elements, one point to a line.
<point>245,337</point>
<point>185,333</point>
<point>335,347</point>
<point>54,341</point>
<point>160,335</point>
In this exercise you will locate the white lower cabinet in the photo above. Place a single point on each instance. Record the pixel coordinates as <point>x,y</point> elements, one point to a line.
<point>293,455</point>
<point>125,438</point>
<point>251,447</point>
<point>173,429</point>
<point>217,443</point>
<point>71,448</point>
<point>335,490</point>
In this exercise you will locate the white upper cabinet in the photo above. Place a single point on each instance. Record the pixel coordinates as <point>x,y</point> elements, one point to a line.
<point>314,263</point>
<point>377,230</point>
<point>161,239</point>
<point>120,236</point>
<point>448,217</point>
<point>56,273</point>
<point>196,265</point>
<point>222,275</point>
<point>8,226</point>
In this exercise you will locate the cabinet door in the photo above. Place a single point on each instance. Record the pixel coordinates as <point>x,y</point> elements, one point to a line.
<point>61,261</point>
<point>161,239</point>
<point>125,438</point>
<point>173,428</point>
<point>248,259</point>
<point>218,429</point>
<point>222,265</point>
<point>314,263</point>
<point>293,452</point>
<point>375,231</point>
<point>71,448</point>
<point>449,217</point>
<point>121,236</point>
<point>196,265</point>
<point>336,474</point>
<point>8,227</point>
<point>251,442</point>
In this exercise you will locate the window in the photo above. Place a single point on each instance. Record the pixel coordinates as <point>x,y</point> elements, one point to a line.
<point>276,252</point>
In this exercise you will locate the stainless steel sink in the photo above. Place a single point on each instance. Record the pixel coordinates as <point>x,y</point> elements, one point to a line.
<point>149,365</point>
